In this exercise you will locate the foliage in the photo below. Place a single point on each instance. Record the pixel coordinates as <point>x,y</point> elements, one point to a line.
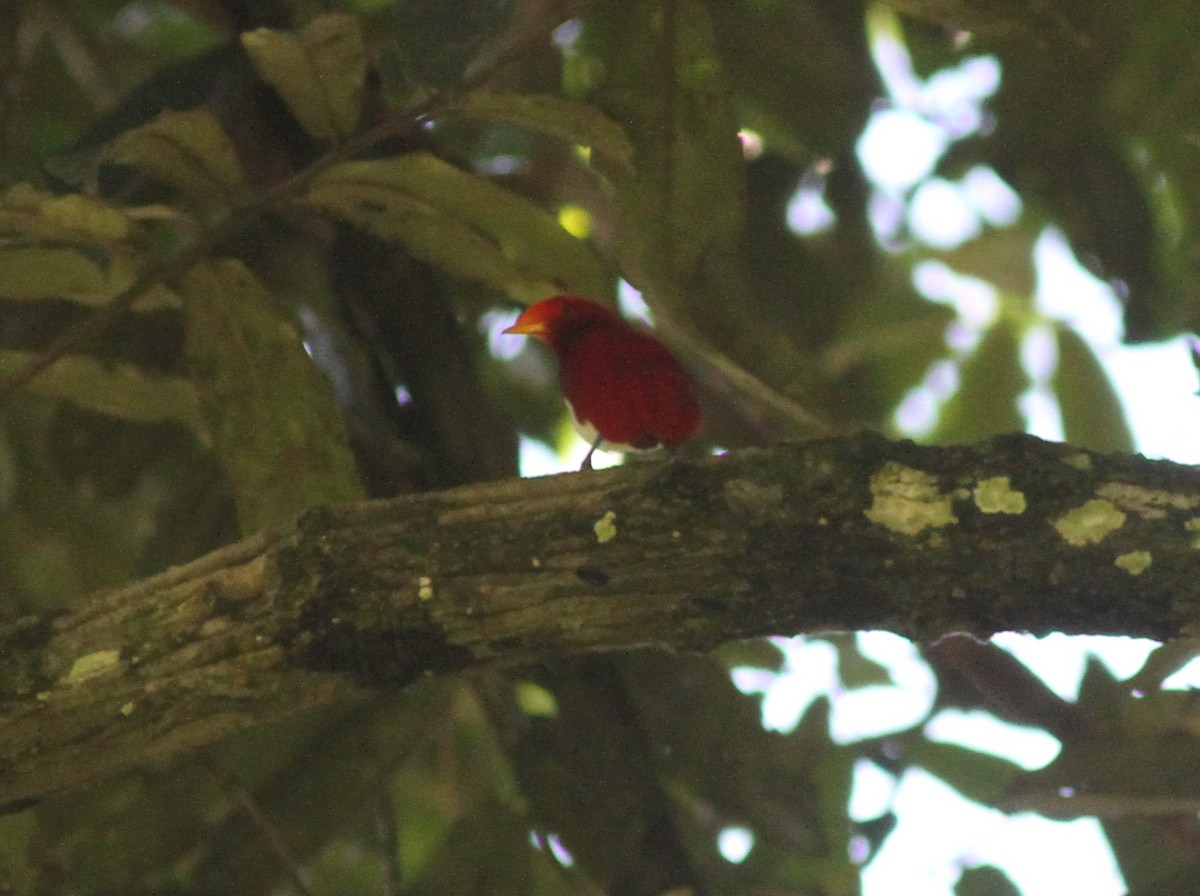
<point>248,254</point>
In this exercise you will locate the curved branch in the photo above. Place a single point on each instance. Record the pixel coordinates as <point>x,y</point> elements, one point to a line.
<point>848,533</point>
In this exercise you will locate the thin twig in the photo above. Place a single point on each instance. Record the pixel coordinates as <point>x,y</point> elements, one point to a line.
<point>245,800</point>
<point>386,830</point>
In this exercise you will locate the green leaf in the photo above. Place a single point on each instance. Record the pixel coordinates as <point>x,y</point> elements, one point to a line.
<point>39,272</point>
<point>1091,411</point>
<point>31,273</point>
<point>977,776</point>
<point>119,390</point>
<point>462,223</point>
<point>668,88</point>
<point>889,336</point>
<point>985,881</point>
<point>271,415</point>
<point>187,150</point>
<point>985,404</point>
<point>1003,258</point>
<point>319,71</point>
<point>569,120</point>
<point>857,670</point>
<point>501,857</point>
<point>27,213</point>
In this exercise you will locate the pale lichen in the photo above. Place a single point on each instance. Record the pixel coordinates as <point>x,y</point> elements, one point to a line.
<point>1148,503</point>
<point>1090,523</point>
<point>425,588</point>
<point>92,665</point>
<point>908,501</point>
<point>1079,461</point>
<point>1134,562</point>
<point>606,527</point>
<point>1193,525</point>
<point>996,495</point>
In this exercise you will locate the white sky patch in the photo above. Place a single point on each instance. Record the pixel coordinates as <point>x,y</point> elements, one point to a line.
<point>898,149</point>
<point>1068,292</point>
<point>880,709</point>
<point>1044,857</point>
<point>809,672</point>
<point>945,834</point>
<point>975,301</point>
<point>886,214</point>
<point>735,843</point>
<point>631,303</point>
<point>494,323</point>
<point>1039,358</point>
<point>940,215</point>
<point>535,458</point>
<point>871,793</point>
<point>1185,679</point>
<point>1059,659</point>
<point>1157,386</point>
<point>1030,748</point>
<point>954,97</point>
<point>807,211</point>
<point>996,202</point>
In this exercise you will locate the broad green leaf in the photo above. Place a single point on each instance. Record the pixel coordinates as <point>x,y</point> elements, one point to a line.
<point>462,223</point>
<point>31,273</point>
<point>270,413</point>
<point>1163,662</point>
<point>1003,258</point>
<point>501,857</point>
<point>803,105</point>
<point>1091,411</point>
<point>119,390</point>
<point>187,150</point>
<point>569,120</point>
<point>888,338</point>
<point>985,881</point>
<point>977,776</point>
<point>990,380</point>
<point>1146,867</point>
<point>319,71</point>
<point>855,669</point>
<point>39,272</point>
<point>27,213</point>
<point>18,832</point>
<point>663,80</point>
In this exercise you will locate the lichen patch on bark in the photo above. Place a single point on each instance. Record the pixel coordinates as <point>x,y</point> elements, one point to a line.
<point>996,495</point>
<point>1148,503</point>
<point>1134,562</point>
<point>908,501</point>
<point>606,527</point>
<point>1091,523</point>
<point>91,665</point>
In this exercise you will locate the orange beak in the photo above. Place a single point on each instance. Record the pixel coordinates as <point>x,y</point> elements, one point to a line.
<point>529,325</point>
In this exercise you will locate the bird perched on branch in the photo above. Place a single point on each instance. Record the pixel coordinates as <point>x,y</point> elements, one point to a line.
<point>624,388</point>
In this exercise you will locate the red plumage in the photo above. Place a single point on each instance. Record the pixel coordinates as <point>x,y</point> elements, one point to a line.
<point>619,381</point>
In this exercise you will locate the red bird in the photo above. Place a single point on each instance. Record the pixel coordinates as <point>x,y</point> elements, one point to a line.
<point>624,388</point>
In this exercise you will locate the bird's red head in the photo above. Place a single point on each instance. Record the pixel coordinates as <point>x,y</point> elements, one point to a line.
<point>624,387</point>
<point>552,320</point>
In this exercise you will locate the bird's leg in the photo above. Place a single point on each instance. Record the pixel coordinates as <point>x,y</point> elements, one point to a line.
<point>587,460</point>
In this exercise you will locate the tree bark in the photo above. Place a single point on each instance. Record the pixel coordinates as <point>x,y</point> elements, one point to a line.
<point>839,534</point>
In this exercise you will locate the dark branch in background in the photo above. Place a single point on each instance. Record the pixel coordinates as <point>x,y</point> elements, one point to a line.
<point>845,534</point>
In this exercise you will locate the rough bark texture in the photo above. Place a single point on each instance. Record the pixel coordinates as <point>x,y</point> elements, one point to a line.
<point>849,533</point>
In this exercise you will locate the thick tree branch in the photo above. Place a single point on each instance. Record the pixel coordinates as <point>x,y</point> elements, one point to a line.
<point>849,533</point>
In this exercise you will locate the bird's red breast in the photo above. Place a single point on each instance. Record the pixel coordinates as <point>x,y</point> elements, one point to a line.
<point>618,379</point>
